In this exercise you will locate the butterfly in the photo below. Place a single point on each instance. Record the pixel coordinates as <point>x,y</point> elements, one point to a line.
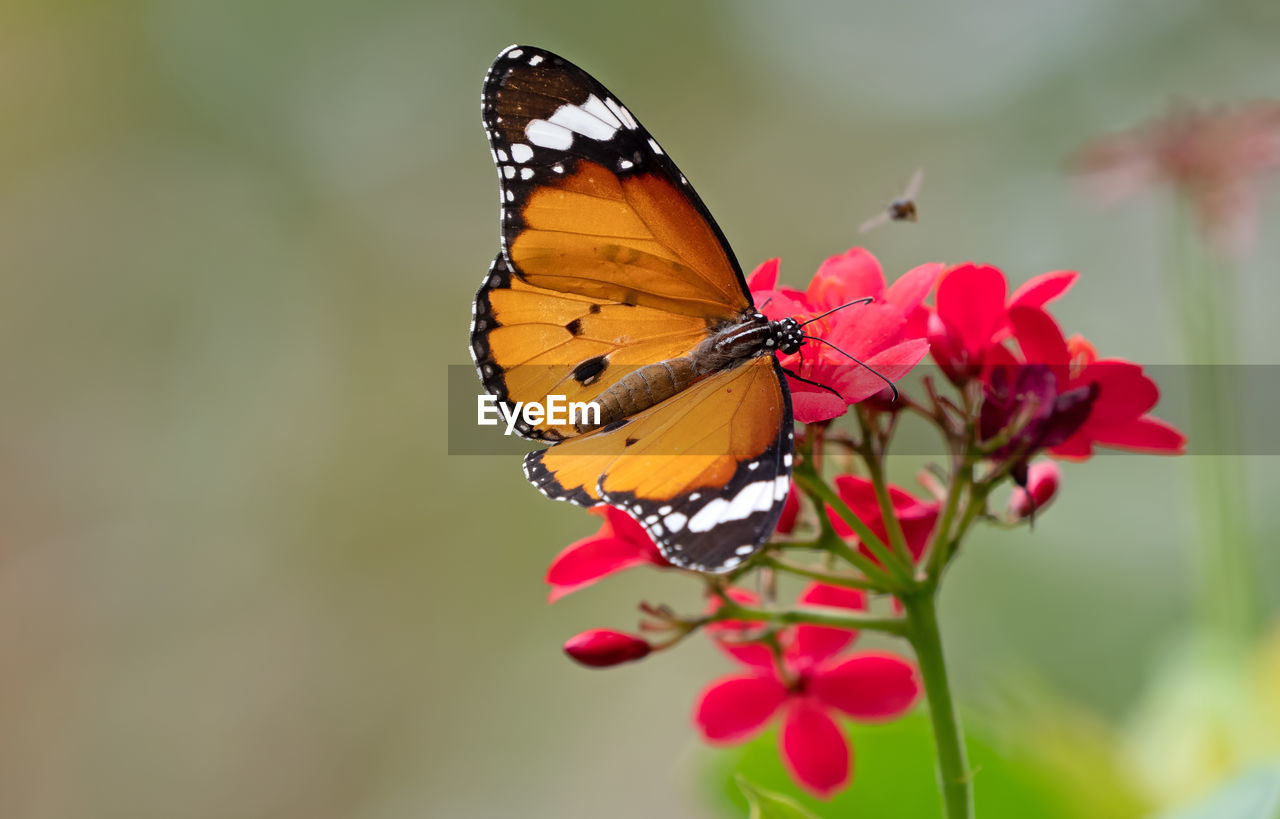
<point>614,285</point>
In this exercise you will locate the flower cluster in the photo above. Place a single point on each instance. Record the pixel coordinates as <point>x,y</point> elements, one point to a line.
<point>1019,388</point>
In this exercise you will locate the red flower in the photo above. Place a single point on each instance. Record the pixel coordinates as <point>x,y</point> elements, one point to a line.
<point>809,688</point>
<point>601,648</point>
<point>917,517</point>
<point>1212,154</point>
<point>887,335</point>
<point>971,316</point>
<point>620,544</point>
<point>1042,486</point>
<point>1118,417</point>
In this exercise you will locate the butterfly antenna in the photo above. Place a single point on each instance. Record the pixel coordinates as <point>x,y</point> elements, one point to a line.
<point>866,300</point>
<point>892,387</point>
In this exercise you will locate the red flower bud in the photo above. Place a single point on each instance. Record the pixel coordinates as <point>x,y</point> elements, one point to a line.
<point>601,648</point>
<point>1042,486</point>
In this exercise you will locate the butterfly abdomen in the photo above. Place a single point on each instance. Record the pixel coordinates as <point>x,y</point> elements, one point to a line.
<point>652,384</point>
<point>640,389</point>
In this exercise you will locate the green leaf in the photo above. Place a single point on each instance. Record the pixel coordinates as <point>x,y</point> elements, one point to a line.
<point>1253,795</point>
<point>893,775</point>
<point>764,804</point>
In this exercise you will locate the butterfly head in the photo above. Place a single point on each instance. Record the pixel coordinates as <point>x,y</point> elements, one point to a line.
<point>787,335</point>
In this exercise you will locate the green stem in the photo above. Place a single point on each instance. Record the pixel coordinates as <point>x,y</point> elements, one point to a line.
<point>953,768</point>
<point>828,578</point>
<point>823,496</point>
<point>875,470</point>
<point>1204,293</point>
<point>940,543</point>
<point>812,617</point>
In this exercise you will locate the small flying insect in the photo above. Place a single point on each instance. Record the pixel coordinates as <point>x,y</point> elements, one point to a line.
<point>902,209</point>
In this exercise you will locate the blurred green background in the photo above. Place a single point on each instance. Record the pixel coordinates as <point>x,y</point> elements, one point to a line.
<point>239,575</point>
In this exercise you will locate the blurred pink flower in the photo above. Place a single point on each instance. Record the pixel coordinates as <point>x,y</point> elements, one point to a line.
<point>1211,154</point>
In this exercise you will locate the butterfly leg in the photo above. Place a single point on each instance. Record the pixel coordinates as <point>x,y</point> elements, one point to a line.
<point>799,377</point>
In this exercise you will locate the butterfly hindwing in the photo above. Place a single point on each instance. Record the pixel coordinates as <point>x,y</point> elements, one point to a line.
<point>591,204</point>
<point>704,472</point>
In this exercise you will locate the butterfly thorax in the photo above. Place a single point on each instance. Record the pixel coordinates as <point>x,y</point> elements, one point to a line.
<point>729,346</point>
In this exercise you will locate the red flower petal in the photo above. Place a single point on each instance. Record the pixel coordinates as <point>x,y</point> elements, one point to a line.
<point>860,496</point>
<point>732,636</point>
<point>620,544</point>
<point>854,274</point>
<point>1145,434</point>
<point>1124,392</point>
<point>1041,340</point>
<point>764,277</point>
<point>970,302</point>
<point>589,560</point>
<point>813,644</point>
<point>1040,290</point>
<point>814,749</point>
<point>871,686</point>
<point>790,511</point>
<point>909,291</point>
<point>810,404</point>
<point>733,708</point>
<point>861,383</point>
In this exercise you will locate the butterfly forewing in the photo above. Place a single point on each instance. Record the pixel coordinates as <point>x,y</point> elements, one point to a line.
<point>529,342</point>
<point>590,201</point>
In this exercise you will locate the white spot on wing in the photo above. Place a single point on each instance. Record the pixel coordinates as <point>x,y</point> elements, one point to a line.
<point>580,121</point>
<point>535,59</point>
<point>622,114</point>
<point>745,549</point>
<point>653,143</point>
<point>548,134</point>
<point>676,521</point>
<point>526,173</point>
<point>521,152</point>
<point>600,111</point>
<point>515,53</point>
<point>754,497</point>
